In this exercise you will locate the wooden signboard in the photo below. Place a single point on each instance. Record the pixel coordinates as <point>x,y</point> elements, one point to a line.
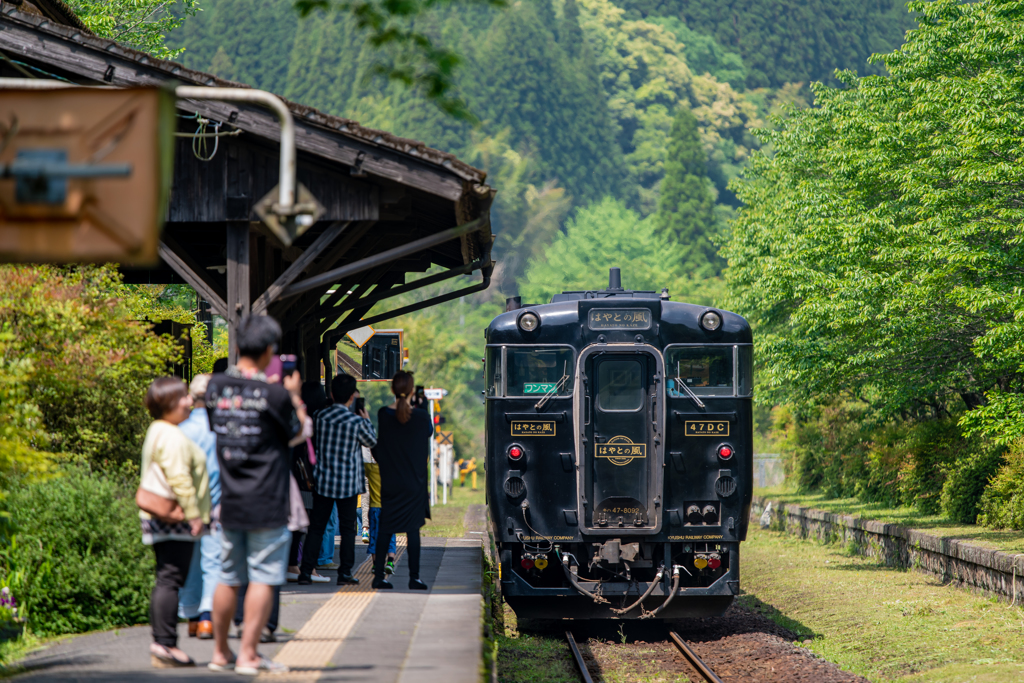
<point>85,174</point>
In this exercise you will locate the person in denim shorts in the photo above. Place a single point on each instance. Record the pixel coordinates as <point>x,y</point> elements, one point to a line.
<point>254,422</point>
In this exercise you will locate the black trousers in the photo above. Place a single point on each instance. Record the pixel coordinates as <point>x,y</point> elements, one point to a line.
<point>293,550</point>
<point>172,561</point>
<point>412,551</point>
<point>322,508</point>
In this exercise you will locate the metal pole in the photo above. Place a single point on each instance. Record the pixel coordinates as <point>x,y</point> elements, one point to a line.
<point>286,183</point>
<point>433,469</point>
<point>446,468</point>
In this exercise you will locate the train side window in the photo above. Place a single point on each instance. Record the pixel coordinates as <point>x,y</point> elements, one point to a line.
<point>746,370</point>
<point>539,371</point>
<point>620,385</point>
<point>706,370</point>
<point>492,371</point>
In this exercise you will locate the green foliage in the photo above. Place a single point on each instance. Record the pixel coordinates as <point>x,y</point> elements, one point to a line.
<point>966,483</point>
<point>703,53</point>
<point>686,207</point>
<point>77,562</point>
<point>783,41</point>
<point>85,359</point>
<point>879,246</point>
<point>609,234</point>
<point>420,61</point>
<point>1002,503</point>
<point>141,24</point>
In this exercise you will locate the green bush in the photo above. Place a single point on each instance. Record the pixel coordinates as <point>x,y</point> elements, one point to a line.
<point>77,562</point>
<point>966,481</point>
<point>1002,503</point>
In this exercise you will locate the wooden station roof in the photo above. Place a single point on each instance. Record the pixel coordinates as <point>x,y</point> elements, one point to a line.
<point>380,191</point>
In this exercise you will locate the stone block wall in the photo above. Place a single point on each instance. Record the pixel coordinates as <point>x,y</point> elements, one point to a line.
<point>953,561</point>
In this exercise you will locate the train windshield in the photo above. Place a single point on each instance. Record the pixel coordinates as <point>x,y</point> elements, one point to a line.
<point>538,371</point>
<point>705,370</point>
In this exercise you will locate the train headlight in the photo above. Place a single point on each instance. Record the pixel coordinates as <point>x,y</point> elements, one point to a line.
<point>528,322</point>
<point>711,321</point>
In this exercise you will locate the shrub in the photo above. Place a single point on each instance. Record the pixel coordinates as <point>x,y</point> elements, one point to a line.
<point>77,562</point>
<point>966,481</point>
<point>1002,503</point>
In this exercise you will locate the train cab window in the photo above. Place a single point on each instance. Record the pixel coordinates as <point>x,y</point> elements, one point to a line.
<point>620,385</point>
<point>745,355</point>
<point>706,370</point>
<point>492,371</point>
<point>539,371</point>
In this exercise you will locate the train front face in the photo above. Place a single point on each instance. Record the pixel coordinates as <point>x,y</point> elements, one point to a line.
<point>619,446</point>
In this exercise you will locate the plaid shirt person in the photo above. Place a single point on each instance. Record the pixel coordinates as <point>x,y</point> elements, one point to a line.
<point>338,440</point>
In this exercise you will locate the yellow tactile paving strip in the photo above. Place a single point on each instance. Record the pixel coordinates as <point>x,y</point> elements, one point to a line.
<point>313,647</point>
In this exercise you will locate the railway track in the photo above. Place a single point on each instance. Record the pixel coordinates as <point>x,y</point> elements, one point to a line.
<point>696,662</point>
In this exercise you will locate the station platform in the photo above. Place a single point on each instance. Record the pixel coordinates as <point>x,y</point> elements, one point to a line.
<point>327,633</point>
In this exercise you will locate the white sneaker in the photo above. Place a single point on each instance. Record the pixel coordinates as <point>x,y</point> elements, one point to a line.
<point>291,577</point>
<point>318,579</point>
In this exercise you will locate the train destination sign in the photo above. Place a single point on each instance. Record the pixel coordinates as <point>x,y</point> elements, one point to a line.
<point>620,319</point>
<point>707,428</point>
<point>533,427</point>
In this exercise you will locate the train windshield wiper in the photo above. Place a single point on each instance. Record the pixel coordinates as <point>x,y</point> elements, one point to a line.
<point>555,389</point>
<point>689,392</point>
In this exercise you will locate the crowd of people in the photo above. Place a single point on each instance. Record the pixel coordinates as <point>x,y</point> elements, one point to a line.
<point>258,469</point>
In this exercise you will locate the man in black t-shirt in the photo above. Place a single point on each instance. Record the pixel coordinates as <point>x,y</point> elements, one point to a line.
<point>254,422</point>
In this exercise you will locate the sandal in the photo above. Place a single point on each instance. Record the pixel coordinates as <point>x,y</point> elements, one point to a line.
<point>265,666</point>
<point>165,660</point>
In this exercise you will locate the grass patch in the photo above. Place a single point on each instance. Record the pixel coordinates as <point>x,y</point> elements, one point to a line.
<point>524,657</point>
<point>885,624</point>
<point>448,521</point>
<point>1006,540</point>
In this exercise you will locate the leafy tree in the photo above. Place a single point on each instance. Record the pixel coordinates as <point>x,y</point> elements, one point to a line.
<point>80,359</point>
<point>604,235</point>
<point>686,205</point>
<point>878,252</point>
<point>552,112</point>
<point>141,24</point>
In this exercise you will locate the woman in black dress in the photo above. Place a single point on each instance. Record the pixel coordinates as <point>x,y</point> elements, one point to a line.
<point>403,452</point>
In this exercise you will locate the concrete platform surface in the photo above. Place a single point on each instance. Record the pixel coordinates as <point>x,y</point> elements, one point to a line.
<point>328,633</point>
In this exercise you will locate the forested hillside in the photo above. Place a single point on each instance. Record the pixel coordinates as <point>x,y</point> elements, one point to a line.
<point>598,122</point>
<point>782,41</point>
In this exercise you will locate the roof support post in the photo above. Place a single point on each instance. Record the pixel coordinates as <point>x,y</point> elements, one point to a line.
<point>238,282</point>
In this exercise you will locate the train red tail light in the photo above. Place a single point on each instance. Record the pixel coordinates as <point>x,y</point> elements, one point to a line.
<point>714,562</point>
<point>725,452</point>
<point>526,563</point>
<point>516,452</point>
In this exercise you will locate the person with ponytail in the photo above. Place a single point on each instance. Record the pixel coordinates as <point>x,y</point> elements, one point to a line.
<point>402,453</point>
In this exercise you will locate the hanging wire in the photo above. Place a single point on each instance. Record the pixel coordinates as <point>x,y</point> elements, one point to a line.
<point>22,66</point>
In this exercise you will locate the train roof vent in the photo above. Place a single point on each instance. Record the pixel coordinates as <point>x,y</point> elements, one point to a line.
<point>614,290</point>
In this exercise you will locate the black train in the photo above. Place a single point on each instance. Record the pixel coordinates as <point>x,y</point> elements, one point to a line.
<point>619,454</point>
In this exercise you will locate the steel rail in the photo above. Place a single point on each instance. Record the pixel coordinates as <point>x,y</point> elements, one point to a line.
<point>580,664</point>
<point>691,656</point>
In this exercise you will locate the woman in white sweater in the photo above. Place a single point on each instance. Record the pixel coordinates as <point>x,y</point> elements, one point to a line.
<point>183,465</point>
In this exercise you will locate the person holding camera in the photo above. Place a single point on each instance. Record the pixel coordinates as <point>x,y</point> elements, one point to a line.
<point>339,436</point>
<point>255,423</point>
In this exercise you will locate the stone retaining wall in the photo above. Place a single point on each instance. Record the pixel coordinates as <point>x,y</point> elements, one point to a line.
<point>991,572</point>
